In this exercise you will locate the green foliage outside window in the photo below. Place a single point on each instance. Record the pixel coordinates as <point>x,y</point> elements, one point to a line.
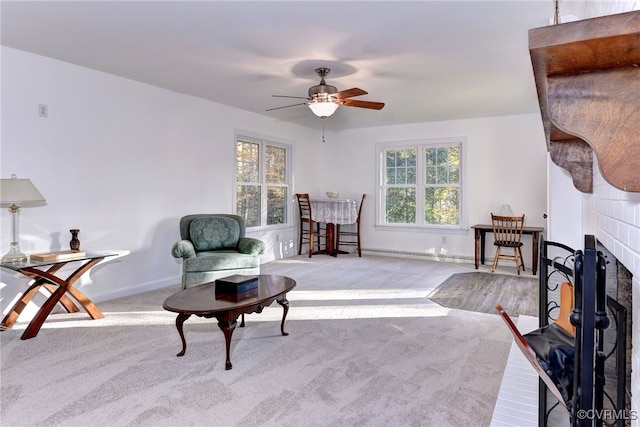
<point>248,162</point>
<point>252,158</point>
<point>400,170</point>
<point>275,165</point>
<point>439,192</point>
<point>401,166</point>
<point>276,205</point>
<point>442,191</point>
<point>442,206</point>
<point>248,204</point>
<point>401,205</point>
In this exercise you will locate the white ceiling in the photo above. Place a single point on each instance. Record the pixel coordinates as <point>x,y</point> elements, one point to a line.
<point>427,60</point>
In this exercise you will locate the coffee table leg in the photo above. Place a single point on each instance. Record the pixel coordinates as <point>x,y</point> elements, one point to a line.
<point>179,322</point>
<point>227,329</point>
<point>285,305</point>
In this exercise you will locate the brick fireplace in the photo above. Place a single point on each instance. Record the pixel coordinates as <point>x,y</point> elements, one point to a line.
<point>613,217</point>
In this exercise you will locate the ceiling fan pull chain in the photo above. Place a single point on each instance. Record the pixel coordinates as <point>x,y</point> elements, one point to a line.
<point>323,141</point>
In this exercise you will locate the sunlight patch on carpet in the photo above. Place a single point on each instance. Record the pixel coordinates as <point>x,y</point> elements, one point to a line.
<point>356,294</point>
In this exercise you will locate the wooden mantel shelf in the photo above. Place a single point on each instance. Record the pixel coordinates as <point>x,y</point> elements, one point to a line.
<point>587,75</point>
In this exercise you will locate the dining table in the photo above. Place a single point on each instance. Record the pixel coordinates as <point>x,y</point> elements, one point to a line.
<point>332,211</point>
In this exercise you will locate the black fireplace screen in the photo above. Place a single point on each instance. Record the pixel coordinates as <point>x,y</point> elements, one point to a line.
<point>594,383</point>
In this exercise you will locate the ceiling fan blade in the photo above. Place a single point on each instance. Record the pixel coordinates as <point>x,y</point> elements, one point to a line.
<point>362,104</point>
<point>287,106</point>
<point>349,93</point>
<point>286,96</point>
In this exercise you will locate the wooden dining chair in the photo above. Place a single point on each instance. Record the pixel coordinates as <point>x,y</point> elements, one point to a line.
<point>310,230</point>
<point>507,233</point>
<point>350,237</point>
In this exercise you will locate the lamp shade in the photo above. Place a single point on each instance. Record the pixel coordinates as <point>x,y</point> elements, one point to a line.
<point>18,192</point>
<point>505,210</point>
<point>323,108</point>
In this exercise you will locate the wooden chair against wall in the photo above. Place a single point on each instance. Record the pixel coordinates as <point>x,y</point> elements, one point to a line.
<point>310,230</point>
<point>350,238</point>
<point>507,233</point>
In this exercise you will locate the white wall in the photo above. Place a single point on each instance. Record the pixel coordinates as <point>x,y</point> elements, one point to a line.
<point>122,161</point>
<point>565,222</point>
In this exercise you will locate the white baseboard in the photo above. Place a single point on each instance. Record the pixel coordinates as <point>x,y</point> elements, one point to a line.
<point>420,255</point>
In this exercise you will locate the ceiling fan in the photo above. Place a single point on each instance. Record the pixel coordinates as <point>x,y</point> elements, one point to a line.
<point>325,99</point>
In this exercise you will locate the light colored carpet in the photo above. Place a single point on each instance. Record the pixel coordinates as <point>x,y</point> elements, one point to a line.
<point>366,348</point>
<point>478,291</point>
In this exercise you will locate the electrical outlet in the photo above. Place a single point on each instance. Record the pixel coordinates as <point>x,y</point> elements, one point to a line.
<point>43,110</point>
<point>444,240</point>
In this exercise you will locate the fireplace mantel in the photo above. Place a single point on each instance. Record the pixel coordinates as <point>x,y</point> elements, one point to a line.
<point>587,75</point>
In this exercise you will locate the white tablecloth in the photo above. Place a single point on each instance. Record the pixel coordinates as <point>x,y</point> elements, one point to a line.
<point>334,211</point>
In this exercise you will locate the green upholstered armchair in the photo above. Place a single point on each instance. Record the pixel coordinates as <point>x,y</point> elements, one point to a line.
<point>214,246</point>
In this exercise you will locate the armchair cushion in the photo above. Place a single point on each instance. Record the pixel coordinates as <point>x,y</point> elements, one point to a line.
<point>214,233</point>
<point>220,260</point>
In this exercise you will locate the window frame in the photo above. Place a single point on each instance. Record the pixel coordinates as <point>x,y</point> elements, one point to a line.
<point>264,141</point>
<point>420,145</point>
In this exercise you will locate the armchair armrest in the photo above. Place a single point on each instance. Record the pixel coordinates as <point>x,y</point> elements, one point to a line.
<point>183,249</point>
<point>251,246</point>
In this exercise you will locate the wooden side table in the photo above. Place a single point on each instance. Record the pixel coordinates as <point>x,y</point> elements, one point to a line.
<point>59,287</point>
<point>481,229</point>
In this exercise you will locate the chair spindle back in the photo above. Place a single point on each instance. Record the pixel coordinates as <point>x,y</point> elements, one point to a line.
<point>507,230</point>
<point>304,203</point>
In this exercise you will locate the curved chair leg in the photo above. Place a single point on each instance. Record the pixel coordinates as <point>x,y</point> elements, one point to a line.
<point>300,240</point>
<point>359,249</point>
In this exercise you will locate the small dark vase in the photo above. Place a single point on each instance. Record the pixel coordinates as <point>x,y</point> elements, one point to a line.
<point>74,243</point>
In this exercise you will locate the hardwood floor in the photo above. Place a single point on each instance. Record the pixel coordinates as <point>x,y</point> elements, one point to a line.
<point>481,292</point>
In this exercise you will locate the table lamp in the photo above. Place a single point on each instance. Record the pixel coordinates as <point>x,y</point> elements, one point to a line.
<point>15,193</point>
<point>505,210</point>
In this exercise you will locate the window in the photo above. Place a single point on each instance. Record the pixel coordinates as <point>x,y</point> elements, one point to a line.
<point>421,184</point>
<point>262,182</point>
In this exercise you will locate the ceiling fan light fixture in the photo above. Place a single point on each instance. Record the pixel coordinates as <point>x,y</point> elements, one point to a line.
<point>323,109</point>
<point>325,99</point>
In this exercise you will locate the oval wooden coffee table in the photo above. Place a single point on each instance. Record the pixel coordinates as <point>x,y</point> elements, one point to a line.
<point>203,301</point>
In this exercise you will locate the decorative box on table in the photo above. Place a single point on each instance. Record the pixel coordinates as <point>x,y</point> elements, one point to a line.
<point>237,287</point>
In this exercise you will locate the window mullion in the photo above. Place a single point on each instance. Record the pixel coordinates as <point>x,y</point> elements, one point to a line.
<point>420,185</point>
<point>263,184</point>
